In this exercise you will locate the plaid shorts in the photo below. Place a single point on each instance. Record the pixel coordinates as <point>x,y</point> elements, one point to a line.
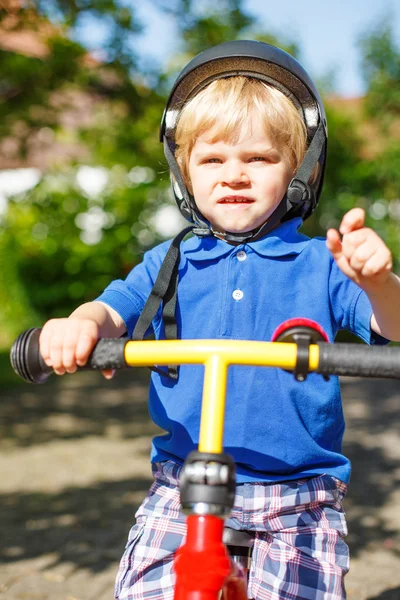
<point>299,552</point>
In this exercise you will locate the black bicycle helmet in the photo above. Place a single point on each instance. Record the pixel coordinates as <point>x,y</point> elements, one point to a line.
<point>279,69</point>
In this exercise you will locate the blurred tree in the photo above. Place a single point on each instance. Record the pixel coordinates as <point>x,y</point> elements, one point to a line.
<point>205,24</point>
<point>363,167</point>
<point>381,70</point>
<point>37,85</point>
<point>68,243</point>
<point>63,257</point>
<point>52,248</point>
<point>63,241</point>
<point>343,177</point>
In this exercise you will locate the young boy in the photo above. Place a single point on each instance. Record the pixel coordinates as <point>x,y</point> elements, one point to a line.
<point>245,137</point>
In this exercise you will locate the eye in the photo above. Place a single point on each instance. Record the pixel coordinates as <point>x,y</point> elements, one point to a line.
<point>212,160</point>
<point>258,159</point>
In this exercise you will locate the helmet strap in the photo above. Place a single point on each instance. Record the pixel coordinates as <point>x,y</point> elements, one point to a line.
<point>299,192</point>
<point>165,291</point>
<point>185,201</point>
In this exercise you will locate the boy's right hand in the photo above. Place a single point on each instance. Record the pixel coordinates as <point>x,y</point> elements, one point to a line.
<point>65,344</point>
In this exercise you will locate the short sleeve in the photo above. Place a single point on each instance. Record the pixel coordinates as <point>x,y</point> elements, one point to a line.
<point>362,315</point>
<point>128,297</point>
<point>351,307</point>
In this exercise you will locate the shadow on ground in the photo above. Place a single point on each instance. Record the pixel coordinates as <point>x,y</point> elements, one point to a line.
<point>393,594</point>
<point>75,406</point>
<point>86,526</point>
<point>372,442</point>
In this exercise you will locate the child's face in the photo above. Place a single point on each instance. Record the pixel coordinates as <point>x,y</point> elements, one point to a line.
<point>237,186</point>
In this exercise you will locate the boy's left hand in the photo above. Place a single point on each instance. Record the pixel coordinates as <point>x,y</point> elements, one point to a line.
<point>361,254</point>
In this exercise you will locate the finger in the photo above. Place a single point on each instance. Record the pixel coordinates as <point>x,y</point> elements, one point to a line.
<point>69,350</point>
<point>46,339</point>
<point>108,373</point>
<point>87,339</point>
<point>335,246</point>
<point>44,343</point>
<point>56,345</point>
<point>352,220</point>
<point>361,255</point>
<point>380,263</point>
<point>354,239</point>
<point>334,243</point>
<point>60,371</point>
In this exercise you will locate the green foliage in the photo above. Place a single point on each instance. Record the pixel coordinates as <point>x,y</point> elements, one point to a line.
<point>343,176</point>
<point>27,82</point>
<point>118,17</point>
<point>60,246</point>
<point>16,313</point>
<point>351,179</point>
<point>8,378</point>
<point>71,246</point>
<point>381,68</point>
<point>217,26</point>
<point>207,24</point>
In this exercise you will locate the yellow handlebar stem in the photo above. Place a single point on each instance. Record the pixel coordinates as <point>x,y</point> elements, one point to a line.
<point>216,356</point>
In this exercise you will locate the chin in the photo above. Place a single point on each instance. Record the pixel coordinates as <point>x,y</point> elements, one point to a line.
<point>238,229</point>
<point>235,228</point>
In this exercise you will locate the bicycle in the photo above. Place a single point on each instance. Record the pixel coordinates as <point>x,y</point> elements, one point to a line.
<point>207,484</point>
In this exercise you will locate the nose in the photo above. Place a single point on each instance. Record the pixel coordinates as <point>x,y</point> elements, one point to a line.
<point>234,173</point>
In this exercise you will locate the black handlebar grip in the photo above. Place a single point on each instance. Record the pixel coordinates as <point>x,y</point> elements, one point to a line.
<point>26,359</point>
<point>29,365</point>
<point>359,360</point>
<point>108,353</point>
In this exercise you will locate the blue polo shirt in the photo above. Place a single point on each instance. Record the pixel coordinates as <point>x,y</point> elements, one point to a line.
<point>276,428</point>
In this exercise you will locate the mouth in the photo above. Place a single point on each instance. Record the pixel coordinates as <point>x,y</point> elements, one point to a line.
<point>235,200</point>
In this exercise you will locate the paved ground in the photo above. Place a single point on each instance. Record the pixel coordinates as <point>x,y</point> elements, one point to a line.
<point>74,466</point>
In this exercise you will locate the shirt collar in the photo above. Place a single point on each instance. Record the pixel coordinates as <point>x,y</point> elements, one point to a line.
<point>281,241</point>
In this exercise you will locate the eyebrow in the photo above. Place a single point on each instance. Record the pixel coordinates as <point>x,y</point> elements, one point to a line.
<point>262,150</point>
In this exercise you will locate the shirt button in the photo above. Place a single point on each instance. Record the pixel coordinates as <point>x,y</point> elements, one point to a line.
<point>241,255</point>
<point>237,295</point>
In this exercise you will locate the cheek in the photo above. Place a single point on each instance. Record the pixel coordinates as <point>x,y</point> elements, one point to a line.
<point>189,173</point>
<point>192,179</point>
<point>201,183</point>
<point>282,180</point>
<point>195,186</point>
<point>189,186</point>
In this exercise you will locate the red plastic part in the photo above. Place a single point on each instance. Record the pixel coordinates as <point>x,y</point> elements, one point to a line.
<point>202,564</point>
<point>299,322</point>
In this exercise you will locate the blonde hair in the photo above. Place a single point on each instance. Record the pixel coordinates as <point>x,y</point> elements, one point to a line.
<point>223,109</point>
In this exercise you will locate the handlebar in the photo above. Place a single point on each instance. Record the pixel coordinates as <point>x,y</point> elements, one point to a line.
<point>115,353</point>
<point>216,356</point>
<point>28,363</point>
